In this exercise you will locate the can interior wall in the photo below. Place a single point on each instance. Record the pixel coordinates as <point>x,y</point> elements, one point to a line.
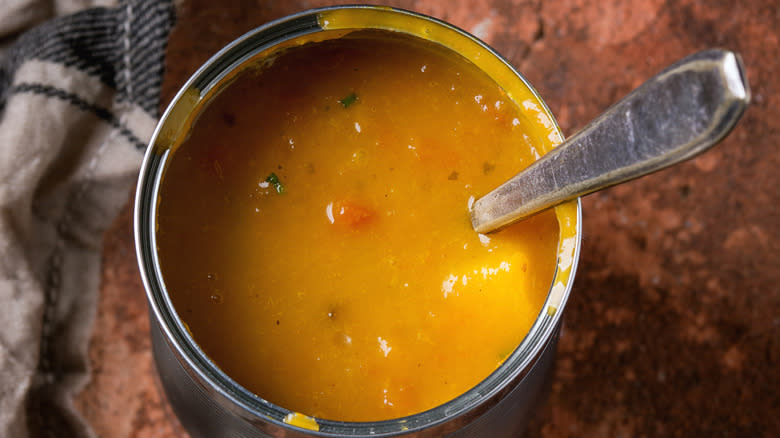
<point>207,401</point>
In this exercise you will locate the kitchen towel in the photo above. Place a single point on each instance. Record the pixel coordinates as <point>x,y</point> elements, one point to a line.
<point>79,96</point>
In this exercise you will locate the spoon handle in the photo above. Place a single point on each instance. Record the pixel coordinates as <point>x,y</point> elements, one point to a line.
<point>677,114</point>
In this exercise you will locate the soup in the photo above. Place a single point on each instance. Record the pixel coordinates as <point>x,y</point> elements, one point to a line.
<point>313,228</point>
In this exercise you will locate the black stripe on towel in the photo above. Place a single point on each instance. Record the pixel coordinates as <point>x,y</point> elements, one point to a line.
<point>124,47</point>
<point>65,96</point>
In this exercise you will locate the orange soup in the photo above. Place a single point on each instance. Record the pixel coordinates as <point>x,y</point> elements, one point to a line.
<point>314,235</point>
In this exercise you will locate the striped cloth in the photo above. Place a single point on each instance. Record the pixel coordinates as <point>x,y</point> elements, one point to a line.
<point>78,103</point>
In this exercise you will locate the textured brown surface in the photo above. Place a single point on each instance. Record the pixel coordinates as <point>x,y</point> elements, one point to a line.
<point>673,326</point>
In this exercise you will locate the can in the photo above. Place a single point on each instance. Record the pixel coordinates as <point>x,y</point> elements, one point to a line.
<point>209,403</point>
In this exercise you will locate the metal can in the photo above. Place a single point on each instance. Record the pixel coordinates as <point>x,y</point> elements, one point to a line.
<point>207,401</point>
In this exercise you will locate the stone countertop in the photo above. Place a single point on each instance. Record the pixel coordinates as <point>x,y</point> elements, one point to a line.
<point>673,325</point>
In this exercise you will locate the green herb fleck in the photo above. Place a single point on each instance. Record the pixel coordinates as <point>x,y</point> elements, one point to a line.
<point>453,176</point>
<point>274,180</point>
<point>349,100</point>
<point>488,167</point>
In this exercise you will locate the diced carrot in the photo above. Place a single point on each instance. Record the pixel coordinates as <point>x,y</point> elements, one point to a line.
<point>349,213</point>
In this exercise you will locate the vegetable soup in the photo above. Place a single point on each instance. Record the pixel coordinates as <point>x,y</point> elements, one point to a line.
<point>314,236</point>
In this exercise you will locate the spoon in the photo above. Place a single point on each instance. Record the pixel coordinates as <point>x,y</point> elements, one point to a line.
<point>677,114</point>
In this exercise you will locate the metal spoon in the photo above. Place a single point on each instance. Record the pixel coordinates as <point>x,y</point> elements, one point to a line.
<point>679,113</point>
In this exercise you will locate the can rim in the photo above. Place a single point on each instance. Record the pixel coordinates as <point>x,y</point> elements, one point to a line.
<point>251,407</point>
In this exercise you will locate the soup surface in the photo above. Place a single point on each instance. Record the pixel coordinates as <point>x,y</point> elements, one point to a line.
<point>313,229</point>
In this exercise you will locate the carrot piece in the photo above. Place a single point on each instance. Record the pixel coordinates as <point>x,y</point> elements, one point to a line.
<point>349,213</point>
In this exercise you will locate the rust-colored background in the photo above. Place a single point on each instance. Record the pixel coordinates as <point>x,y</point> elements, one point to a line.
<point>673,326</point>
